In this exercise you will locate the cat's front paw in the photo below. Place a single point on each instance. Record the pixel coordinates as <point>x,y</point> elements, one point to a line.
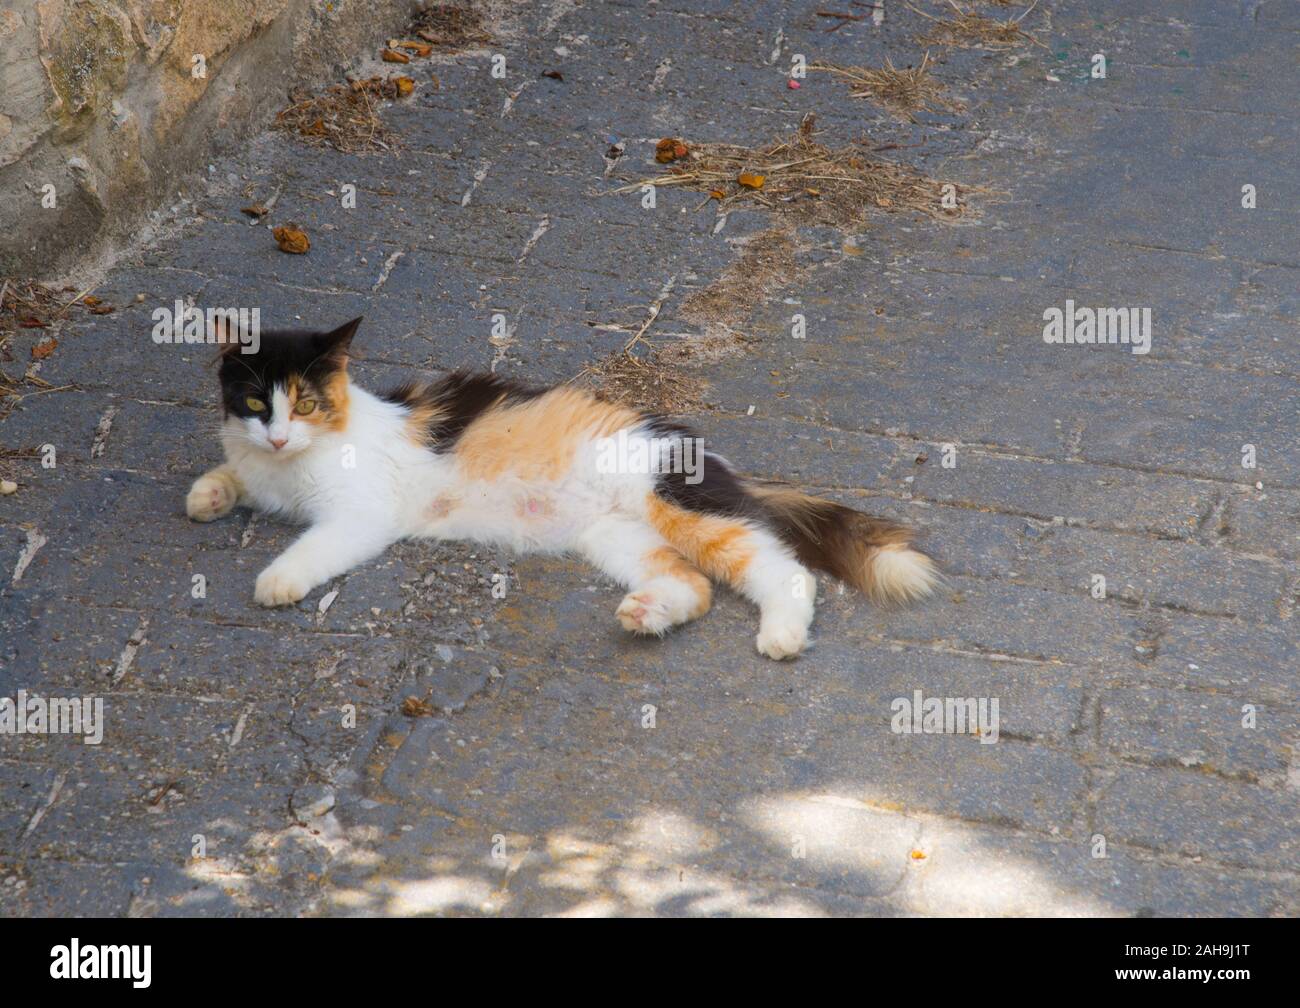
<point>210,497</point>
<point>277,586</point>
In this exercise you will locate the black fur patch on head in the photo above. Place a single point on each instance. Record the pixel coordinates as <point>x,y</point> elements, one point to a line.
<point>314,357</point>
<point>457,400</point>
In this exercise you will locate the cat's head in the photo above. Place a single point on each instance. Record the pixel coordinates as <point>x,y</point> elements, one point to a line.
<point>291,392</point>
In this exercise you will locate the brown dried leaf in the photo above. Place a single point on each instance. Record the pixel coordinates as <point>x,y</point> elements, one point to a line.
<point>751,181</point>
<point>90,300</point>
<point>104,309</point>
<point>419,48</point>
<point>291,239</point>
<point>256,210</point>
<point>44,348</point>
<point>393,56</point>
<point>670,149</point>
<point>414,706</point>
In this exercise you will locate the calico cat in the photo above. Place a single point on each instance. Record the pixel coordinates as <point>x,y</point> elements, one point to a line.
<point>478,457</point>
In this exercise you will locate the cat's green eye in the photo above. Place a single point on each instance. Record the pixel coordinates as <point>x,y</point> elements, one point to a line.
<point>304,406</point>
<point>255,404</point>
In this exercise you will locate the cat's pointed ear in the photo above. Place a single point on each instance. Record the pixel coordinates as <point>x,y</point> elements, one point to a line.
<point>225,331</point>
<point>340,340</point>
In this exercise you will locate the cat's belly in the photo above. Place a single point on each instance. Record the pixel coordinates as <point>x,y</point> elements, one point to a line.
<point>527,517</point>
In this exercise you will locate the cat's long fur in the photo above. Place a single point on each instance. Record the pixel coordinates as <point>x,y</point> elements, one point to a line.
<point>477,457</point>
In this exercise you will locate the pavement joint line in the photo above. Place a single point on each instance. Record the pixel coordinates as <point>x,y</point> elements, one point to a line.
<point>1151,534</point>
<point>1007,451</point>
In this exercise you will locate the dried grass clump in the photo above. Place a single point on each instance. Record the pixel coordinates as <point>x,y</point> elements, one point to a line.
<point>969,30</point>
<point>345,116</point>
<point>652,382</point>
<point>808,181</point>
<point>451,26</point>
<point>25,304</point>
<point>767,263</point>
<point>900,92</point>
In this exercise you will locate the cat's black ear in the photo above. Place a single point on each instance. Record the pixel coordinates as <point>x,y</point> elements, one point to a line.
<point>224,330</point>
<point>338,341</point>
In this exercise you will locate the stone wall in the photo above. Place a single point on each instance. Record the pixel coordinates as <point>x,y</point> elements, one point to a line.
<point>114,104</point>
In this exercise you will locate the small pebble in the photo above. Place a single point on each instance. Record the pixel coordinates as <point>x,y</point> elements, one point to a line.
<point>7,487</point>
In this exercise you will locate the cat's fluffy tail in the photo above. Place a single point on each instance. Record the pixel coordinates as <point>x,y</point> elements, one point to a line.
<point>871,554</point>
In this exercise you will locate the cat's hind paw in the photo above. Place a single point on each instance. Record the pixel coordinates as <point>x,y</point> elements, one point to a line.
<point>641,612</point>
<point>212,496</point>
<point>277,586</point>
<point>782,638</point>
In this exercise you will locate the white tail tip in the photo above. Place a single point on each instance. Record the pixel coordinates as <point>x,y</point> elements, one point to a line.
<point>900,574</point>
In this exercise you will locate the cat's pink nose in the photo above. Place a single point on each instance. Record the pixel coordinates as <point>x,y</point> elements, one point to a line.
<point>278,443</point>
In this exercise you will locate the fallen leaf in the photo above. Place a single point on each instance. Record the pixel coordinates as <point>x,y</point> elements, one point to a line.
<point>751,181</point>
<point>44,348</point>
<point>918,855</point>
<point>419,48</point>
<point>716,194</point>
<point>90,300</point>
<point>291,239</point>
<point>393,56</point>
<point>104,309</point>
<point>670,149</point>
<point>405,85</point>
<point>553,74</point>
<point>256,210</point>
<point>28,322</point>
<point>416,707</point>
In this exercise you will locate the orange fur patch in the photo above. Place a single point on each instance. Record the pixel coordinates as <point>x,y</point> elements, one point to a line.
<point>667,562</point>
<point>537,439</point>
<point>421,414</point>
<point>331,400</point>
<point>720,547</point>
